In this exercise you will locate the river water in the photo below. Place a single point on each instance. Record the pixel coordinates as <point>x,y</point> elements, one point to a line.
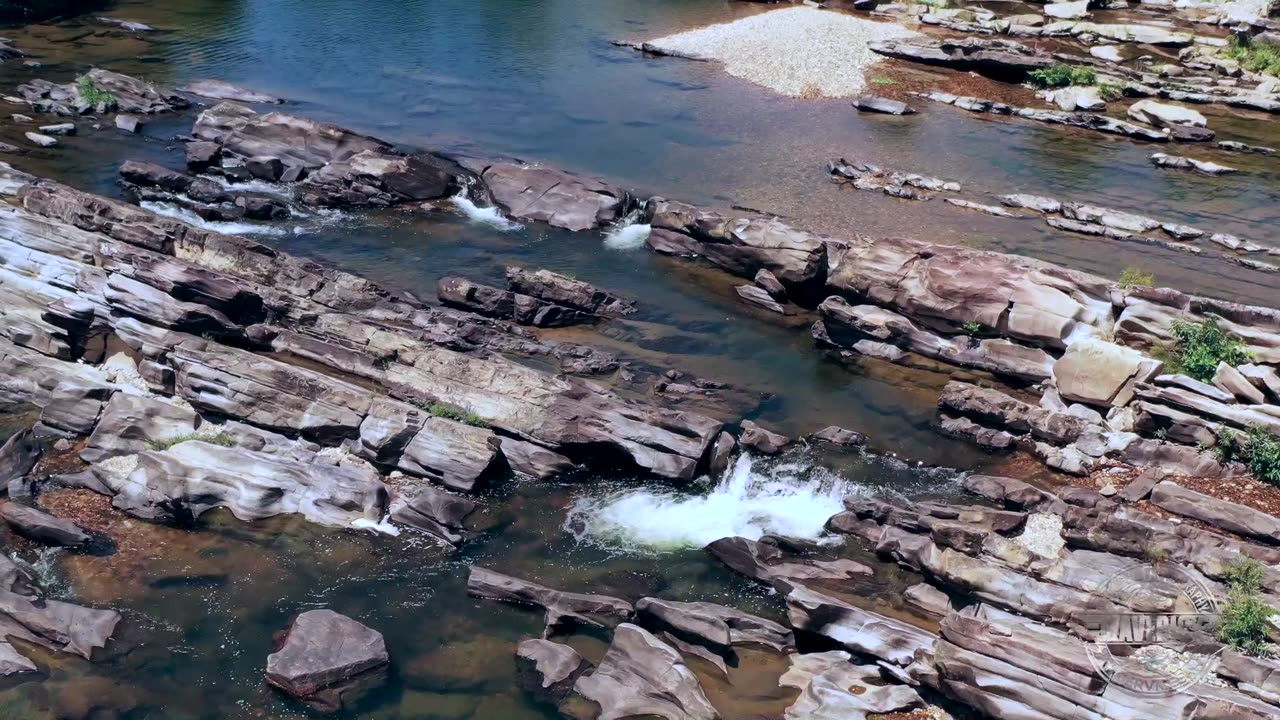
<point>540,80</point>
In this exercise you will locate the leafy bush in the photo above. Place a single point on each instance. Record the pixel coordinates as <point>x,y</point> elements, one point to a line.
<point>222,439</point>
<point>1062,76</point>
<point>1110,92</point>
<point>1254,57</point>
<point>972,328</point>
<point>450,412</point>
<point>1133,277</point>
<point>1228,447</point>
<point>1264,455</point>
<point>1246,620</point>
<point>1200,347</point>
<point>94,96</point>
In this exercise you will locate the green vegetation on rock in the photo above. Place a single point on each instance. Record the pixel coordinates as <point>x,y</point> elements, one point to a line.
<point>1254,57</point>
<point>1132,277</point>
<point>1246,620</point>
<point>972,328</point>
<point>1063,76</point>
<point>450,412</point>
<point>1200,347</point>
<point>1264,455</point>
<point>93,95</point>
<point>222,439</point>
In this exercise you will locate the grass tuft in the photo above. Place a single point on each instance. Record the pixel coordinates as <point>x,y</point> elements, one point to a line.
<point>1246,620</point>
<point>94,96</point>
<point>1063,76</point>
<point>450,412</point>
<point>222,439</point>
<point>1132,277</point>
<point>1254,57</point>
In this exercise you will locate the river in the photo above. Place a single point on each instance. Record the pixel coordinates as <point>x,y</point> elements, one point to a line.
<point>540,80</point>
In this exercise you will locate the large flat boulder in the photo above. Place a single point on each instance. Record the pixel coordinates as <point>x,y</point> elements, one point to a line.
<point>552,196</point>
<point>321,652</point>
<point>1097,372</point>
<point>561,607</point>
<point>41,526</point>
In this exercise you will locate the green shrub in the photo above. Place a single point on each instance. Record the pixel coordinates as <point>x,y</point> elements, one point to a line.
<point>222,439</point>
<point>1110,92</point>
<point>94,96</point>
<point>1253,57</point>
<point>972,328</point>
<point>1063,76</point>
<point>1132,277</point>
<point>1228,447</point>
<point>1245,623</point>
<point>450,412</point>
<point>1264,455</point>
<point>1200,347</point>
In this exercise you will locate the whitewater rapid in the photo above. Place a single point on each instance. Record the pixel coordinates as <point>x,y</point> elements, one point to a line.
<point>752,499</point>
<point>490,216</point>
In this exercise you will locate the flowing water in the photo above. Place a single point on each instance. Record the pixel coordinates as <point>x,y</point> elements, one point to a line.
<point>540,80</point>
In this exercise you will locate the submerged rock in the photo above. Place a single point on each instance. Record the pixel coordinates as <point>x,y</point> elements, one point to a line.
<point>877,104</point>
<point>761,440</point>
<point>549,670</point>
<point>218,90</point>
<point>41,526</point>
<point>642,676</point>
<point>322,653</point>
<point>714,626</point>
<point>561,607</point>
<point>1204,167</point>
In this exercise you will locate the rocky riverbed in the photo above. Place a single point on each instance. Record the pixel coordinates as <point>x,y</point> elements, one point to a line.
<point>241,481</point>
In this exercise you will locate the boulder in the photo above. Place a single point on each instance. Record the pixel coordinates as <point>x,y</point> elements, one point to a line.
<point>59,129</point>
<point>1067,10</point>
<point>769,282</point>
<point>877,104</point>
<point>549,670</point>
<point>642,676</point>
<point>757,296</point>
<point>533,460</point>
<point>322,652</point>
<point>1263,377</point>
<point>1230,380</point>
<point>1232,517</point>
<point>149,174</point>
<point>717,627</point>
<point>43,141</point>
<point>128,123</point>
<point>218,90</point>
<point>994,408</point>
<point>1203,167</point>
<point>568,292</point>
<point>833,688</point>
<point>768,564</point>
<point>1071,99</point>
<point>1034,202</point>
<point>42,527</point>
<point>1003,59</point>
<point>1097,372</point>
<point>552,196</point>
<point>1165,115</point>
<point>438,513</point>
<point>18,455</point>
<point>840,436</point>
<point>856,630</point>
<point>561,608</point>
<point>761,440</point>
<point>131,424</point>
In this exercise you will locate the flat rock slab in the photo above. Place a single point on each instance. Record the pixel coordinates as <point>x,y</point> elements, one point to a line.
<point>323,649</point>
<point>41,526</point>
<point>1229,516</point>
<point>218,90</point>
<point>642,676</point>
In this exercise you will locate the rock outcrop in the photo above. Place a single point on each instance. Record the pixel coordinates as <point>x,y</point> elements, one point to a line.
<point>561,607</point>
<point>642,676</point>
<point>323,653</point>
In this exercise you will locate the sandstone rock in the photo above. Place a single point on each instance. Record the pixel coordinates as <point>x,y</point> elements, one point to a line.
<point>41,526</point>
<point>856,630</point>
<point>561,607</point>
<point>877,104</point>
<point>1178,162</point>
<point>1165,115</point>
<point>840,436</point>
<point>128,123</point>
<point>549,670</point>
<point>769,565</point>
<point>1034,202</point>
<point>534,460</point>
<point>552,196</point>
<point>1001,58</point>
<point>322,652</point>
<point>569,292</point>
<point>642,676</point>
<point>1101,373</point>
<point>994,408</point>
<point>435,512</point>
<point>218,90</point>
<point>833,688</point>
<point>201,155</point>
<point>43,141</point>
<point>761,440</point>
<point>1229,516</point>
<point>758,297</point>
<point>1071,99</point>
<point>715,626</point>
<point>927,599</point>
<point>179,484</point>
<point>1263,377</point>
<point>59,129</point>
<point>1067,10</point>
<point>1230,380</point>
<point>18,455</point>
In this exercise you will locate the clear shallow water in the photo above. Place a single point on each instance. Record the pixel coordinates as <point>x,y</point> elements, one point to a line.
<point>538,79</point>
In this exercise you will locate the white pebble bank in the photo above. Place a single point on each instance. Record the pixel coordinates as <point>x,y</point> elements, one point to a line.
<point>801,52</point>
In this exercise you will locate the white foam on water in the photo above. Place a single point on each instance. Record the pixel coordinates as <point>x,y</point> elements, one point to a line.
<point>261,187</point>
<point>626,237</point>
<point>490,216</point>
<point>384,527</point>
<point>793,499</point>
<point>227,228</point>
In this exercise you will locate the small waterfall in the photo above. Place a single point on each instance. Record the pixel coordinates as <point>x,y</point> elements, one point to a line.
<point>628,233</point>
<point>793,499</point>
<point>178,212</point>
<point>490,216</point>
